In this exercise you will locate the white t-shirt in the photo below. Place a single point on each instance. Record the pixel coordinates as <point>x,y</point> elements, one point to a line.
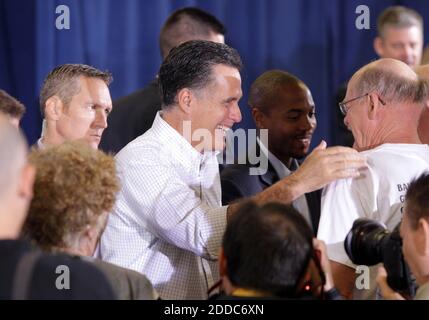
<point>379,194</point>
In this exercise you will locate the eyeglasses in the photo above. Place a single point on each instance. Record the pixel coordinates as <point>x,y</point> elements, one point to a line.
<point>343,105</point>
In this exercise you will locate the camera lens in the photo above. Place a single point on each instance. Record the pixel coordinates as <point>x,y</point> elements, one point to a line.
<point>369,243</point>
<point>363,243</point>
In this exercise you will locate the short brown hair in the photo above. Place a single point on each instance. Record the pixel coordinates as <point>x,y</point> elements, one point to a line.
<point>187,24</point>
<point>74,186</point>
<point>61,81</point>
<point>264,90</point>
<point>190,65</point>
<point>398,17</point>
<point>10,106</point>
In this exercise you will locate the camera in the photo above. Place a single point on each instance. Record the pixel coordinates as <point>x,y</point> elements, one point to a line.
<point>369,243</point>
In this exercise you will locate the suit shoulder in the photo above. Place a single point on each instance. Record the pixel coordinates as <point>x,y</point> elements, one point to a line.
<point>128,284</point>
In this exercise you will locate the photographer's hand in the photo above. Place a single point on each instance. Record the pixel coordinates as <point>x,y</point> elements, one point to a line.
<point>324,263</point>
<point>386,291</point>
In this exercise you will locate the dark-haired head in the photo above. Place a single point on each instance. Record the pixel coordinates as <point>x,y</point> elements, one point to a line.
<point>187,24</point>
<point>268,249</point>
<point>190,65</point>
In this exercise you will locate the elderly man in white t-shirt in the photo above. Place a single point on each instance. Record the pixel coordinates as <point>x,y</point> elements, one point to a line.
<point>382,107</point>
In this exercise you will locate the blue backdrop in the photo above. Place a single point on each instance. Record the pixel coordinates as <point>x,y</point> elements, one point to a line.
<point>315,39</point>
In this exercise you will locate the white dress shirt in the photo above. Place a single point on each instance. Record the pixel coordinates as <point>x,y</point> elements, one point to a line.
<point>168,221</point>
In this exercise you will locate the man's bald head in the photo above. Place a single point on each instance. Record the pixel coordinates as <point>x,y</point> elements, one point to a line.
<point>16,180</point>
<point>389,98</point>
<point>13,154</point>
<point>394,81</point>
<point>11,107</point>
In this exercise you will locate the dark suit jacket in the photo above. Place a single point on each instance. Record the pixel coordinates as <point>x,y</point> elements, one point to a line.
<point>237,183</point>
<point>342,135</point>
<point>131,116</point>
<point>127,284</point>
<point>39,278</point>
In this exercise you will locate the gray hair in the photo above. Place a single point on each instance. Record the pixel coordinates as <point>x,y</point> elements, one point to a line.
<point>390,85</point>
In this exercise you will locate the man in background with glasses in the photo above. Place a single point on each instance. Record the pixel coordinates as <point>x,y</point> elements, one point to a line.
<point>382,107</point>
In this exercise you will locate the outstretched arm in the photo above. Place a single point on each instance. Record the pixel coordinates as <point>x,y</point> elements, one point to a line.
<point>321,167</point>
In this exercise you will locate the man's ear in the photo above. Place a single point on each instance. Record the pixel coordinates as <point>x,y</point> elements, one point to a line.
<point>423,127</point>
<point>423,228</point>
<point>378,46</point>
<point>184,99</point>
<point>92,233</point>
<point>374,106</point>
<point>426,106</point>
<point>88,240</point>
<point>53,108</point>
<point>258,117</point>
<point>28,174</point>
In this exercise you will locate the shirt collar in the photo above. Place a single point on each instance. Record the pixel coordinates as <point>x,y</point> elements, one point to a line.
<point>179,147</point>
<point>281,170</point>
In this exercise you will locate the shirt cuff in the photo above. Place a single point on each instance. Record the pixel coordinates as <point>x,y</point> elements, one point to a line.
<point>216,219</point>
